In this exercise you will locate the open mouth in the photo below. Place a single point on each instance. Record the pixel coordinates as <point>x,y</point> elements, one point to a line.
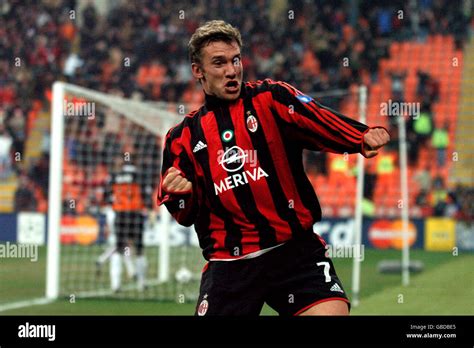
<point>232,86</point>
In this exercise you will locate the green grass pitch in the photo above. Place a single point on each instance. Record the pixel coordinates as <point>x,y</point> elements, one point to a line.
<point>445,287</point>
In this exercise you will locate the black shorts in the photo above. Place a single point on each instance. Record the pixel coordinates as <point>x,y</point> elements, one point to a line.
<point>129,230</point>
<point>290,279</point>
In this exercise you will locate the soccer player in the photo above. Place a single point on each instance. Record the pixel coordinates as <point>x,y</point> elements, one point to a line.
<point>128,199</point>
<point>234,169</point>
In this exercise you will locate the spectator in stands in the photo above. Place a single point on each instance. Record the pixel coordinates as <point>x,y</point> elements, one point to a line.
<point>423,178</point>
<point>86,149</point>
<point>412,141</point>
<point>42,33</point>
<point>69,205</point>
<point>40,173</point>
<point>5,152</point>
<point>465,199</point>
<point>398,85</point>
<point>427,89</point>
<point>384,21</point>
<point>423,78</point>
<point>422,201</point>
<point>111,148</point>
<point>398,95</point>
<point>419,130</point>
<point>452,206</point>
<point>423,125</point>
<point>440,141</point>
<point>25,199</point>
<point>439,197</point>
<point>16,125</point>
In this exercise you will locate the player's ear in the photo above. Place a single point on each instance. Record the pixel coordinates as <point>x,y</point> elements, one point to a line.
<point>197,71</point>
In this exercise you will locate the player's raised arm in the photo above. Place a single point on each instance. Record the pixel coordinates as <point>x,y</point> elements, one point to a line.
<point>323,128</point>
<point>176,188</point>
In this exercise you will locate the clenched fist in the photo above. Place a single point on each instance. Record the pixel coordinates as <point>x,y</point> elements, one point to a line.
<point>174,182</point>
<point>374,139</point>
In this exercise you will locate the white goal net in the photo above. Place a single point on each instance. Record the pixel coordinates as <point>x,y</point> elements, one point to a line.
<point>107,238</point>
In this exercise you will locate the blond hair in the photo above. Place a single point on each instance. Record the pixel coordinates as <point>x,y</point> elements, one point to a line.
<point>216,30</point>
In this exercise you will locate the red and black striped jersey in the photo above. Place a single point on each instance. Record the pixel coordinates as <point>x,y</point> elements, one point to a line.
<point>244,159</point>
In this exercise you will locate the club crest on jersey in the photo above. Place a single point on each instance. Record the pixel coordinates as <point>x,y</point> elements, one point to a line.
<point>251,122</point>
<point>203,307</point>
<point>227,135</point>
<point>303,98</point>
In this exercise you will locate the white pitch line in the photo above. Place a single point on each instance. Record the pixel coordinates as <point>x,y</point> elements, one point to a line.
<point>108,291</point>
<point>82,294</point>
<point>27,303</point>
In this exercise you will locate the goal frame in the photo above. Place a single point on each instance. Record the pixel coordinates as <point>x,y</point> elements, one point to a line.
<point>59,91</point>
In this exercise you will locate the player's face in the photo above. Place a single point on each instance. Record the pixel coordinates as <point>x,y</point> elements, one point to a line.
<point>220,70</point>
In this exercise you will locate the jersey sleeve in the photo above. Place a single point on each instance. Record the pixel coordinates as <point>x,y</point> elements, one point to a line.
<point>318,127</point>
<point>182,206</point>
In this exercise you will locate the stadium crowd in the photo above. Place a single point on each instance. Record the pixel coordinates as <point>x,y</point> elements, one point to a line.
<point>138,50</point>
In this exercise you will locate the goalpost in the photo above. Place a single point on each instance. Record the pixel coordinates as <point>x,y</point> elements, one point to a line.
<point>356,265</point>
<point>404,215</point>
<point>94,136</point>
